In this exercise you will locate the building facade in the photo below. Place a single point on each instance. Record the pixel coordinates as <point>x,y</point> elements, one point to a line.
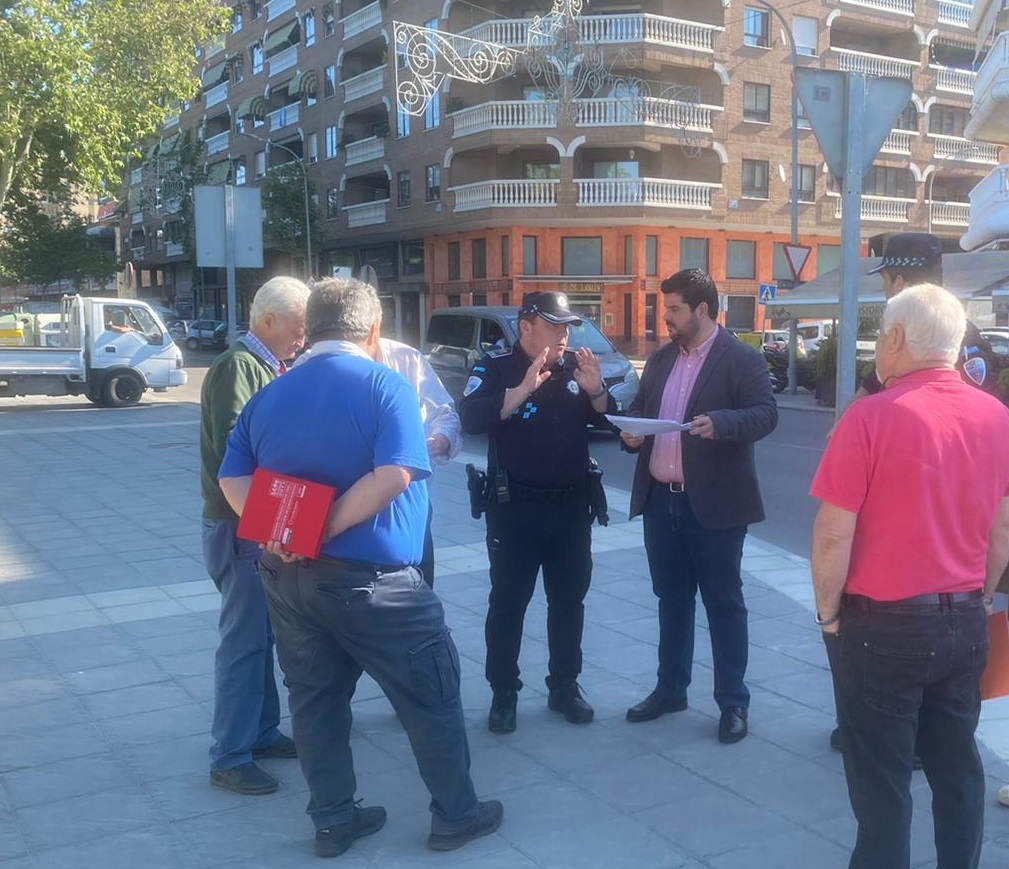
<point>655,136</point>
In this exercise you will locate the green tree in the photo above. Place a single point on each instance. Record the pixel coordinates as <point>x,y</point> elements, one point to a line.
<point>284,210</point>
<point>82,84</point>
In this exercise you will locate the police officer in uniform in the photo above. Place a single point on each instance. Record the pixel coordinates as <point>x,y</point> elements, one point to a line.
<point>535,402</point>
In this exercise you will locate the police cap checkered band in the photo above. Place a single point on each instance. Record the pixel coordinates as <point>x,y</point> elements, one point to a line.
<point>552,307</point>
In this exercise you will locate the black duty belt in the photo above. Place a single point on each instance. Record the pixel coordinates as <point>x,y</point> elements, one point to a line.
<point>675,488</point>
<point>544,496</point>
<point>324,561</point>
<point>942,600</point>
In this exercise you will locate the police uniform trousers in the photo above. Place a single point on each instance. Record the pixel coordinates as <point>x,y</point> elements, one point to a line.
<point>334,619</point>
<point>537,528</point>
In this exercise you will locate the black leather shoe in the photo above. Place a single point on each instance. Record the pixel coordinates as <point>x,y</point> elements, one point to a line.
<point>502,712</point>
<point>333,841</point>
<point>732,725</point>
<point>835,739</point>
<point>568,700</point>
<point>487,820</point>
<point>654,706</point>
<point>282,747</point>
<point>246,778</point>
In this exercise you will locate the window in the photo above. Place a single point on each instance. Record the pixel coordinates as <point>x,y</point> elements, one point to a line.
<point>506,255</point>
<point>412,256</point>
<point>236,19</point>
<point>255,9</point>
<point>807,182</point>
<point>332,141</point>
<point>828,258</point>
<point>755,179</point>
<point>694,253</point>
<point>432,182</point>
<point>628,254</point>
<point>478,252</point>
<point>309,28</point>
<point>801,118</point>
<point>403,189</point>
<point>329,81</point>
<point>740,313</point>
<point>402,122</point>
<point>332,203</point>
<point>260,163</point>
<point>893,181</point>
<point>651,255</point>
<point>740,259</point>
<point>805,31</point>
<point>757,102</point>
<point>529,254</point>
<point>450,330</point>
<point>947,120</point>
<point>328,21</point>
<point>908,119</point>
<point>312,147</point>
<point>454,261</point>
<point>237,70</point>
<point>540,171</point>
<point>257,58</point>
<point>619,169</point>
<point>480,299</point>
<point>432,114</point>
<point>756,27</point>
<point>581,256</point>
<point>136,176</point>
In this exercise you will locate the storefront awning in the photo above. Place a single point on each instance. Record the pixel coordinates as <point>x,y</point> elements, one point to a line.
<point>283,36</point>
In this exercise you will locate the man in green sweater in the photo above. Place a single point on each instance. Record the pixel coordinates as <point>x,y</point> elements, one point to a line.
<point>246,703</point>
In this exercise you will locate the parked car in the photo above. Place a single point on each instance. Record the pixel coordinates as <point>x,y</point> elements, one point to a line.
<point>999,340</point>
<point>458,337</point>
<point>204,333</point>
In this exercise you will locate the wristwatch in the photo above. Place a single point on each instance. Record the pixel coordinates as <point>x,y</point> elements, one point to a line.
<point>599,394</point>
<point>823,623</point>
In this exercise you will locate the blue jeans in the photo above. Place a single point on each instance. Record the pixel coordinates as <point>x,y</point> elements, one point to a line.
<point>901,670</point>
<point>246,705</point>
<point>682,558</point>
<point>335,619</point>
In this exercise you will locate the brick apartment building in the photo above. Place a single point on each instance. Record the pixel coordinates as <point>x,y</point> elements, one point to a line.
<point>680,157</point>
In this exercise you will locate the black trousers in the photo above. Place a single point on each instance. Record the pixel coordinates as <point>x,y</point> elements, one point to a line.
<point>522,537</point>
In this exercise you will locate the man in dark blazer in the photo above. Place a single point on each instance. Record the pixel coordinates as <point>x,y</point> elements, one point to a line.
<point>697,490</point>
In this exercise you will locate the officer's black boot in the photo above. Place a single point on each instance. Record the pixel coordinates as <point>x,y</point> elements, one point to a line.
<point>502,712</point>
<point>567,699</point>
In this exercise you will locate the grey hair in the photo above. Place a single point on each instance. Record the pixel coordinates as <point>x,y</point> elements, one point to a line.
<point>344,309</point>
<point>933,319</point>
<point>278,296</point>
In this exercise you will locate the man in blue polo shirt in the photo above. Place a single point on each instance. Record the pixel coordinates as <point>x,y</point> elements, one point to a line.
<point>344,420</point>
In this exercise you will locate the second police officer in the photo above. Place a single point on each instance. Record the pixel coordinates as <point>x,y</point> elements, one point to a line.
<point>535,402</point>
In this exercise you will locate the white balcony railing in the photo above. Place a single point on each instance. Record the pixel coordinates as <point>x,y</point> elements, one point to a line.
<point>989,210</point>
<point>284,116</point>
<point>137,217</point>
<point>172,120</point>
<point>603,112</point>
<point>283,60</point>
<point>956,81</point>
<point>137,253</point>
<point>276,8</point>
<point>654,192</point>
<point>881,209</point>
<point>173,248</point>
<point>874,64</point>
<point>955,13</point>
<point>364,19</point>
<point>366,213</point>
<point>217,94</point>
<point>518,193</point>
<point>949,213</point>
<point>897,7</point>
<point>898,142</point>
<point>217,144</point>
<point>618,29</point>
<point>958,148</point>
<point>369,82</point>
<point>372,148</point>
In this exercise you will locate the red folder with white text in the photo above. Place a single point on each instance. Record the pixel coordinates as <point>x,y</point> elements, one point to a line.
<point>287,509</point>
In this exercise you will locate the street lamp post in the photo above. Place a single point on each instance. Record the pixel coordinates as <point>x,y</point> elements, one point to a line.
<point>304,178</point>
<point>956,155</point>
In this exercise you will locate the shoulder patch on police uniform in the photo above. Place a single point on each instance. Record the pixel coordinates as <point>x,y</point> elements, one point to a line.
<point>498,352</point>
<point>572,387</point>
<point>976,369</point>
<point>472,385</point>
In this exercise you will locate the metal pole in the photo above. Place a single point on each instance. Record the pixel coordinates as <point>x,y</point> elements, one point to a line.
<point>229,245</point>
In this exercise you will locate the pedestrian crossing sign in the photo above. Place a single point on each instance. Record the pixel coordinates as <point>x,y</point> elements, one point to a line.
<point>767,293</point>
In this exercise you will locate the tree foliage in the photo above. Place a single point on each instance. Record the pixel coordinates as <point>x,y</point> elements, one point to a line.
<point>84,82</point>
<point>284,210</point>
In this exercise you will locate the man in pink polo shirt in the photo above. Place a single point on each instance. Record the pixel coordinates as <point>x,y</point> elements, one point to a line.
<point>911,536</point>
<point>698,493</point>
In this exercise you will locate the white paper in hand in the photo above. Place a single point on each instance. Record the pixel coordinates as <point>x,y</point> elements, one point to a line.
<point>640,426</point>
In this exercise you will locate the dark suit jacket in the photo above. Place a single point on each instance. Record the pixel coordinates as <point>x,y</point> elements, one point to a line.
<point>719,475</point>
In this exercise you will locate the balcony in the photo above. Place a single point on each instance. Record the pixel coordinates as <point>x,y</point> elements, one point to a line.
<point>990,109</point>
<point>364,150</point>
<point>137,253</point>
<point>949,213</point>
<point>881,209</point>
<point>989,210</point>
<point>370,82</point>
<point>518,193</point>
<point>173,248</point>
<point>366,213</point>
<point>137,217</point>
<point>874,64</point>
<point>364,19</point>
<point>954,81</point>
<point>602,112</point>
<point>954,13</point>
<point>276,8</point>
<point>898,142</point>
<point>284,116</point>
<point>964,150</point>
<point>217,144</point>
<point>645,192</point>
<point>283,60</point>
<point>609,30</point>
<point>895,7</point>
<point>217,94</point>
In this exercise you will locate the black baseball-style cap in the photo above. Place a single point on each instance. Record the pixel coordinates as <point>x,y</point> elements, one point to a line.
<point>552,307</point>
<point>910,250</point>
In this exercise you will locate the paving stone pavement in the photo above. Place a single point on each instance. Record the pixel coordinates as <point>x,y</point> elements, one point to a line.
<point>107,638</point>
